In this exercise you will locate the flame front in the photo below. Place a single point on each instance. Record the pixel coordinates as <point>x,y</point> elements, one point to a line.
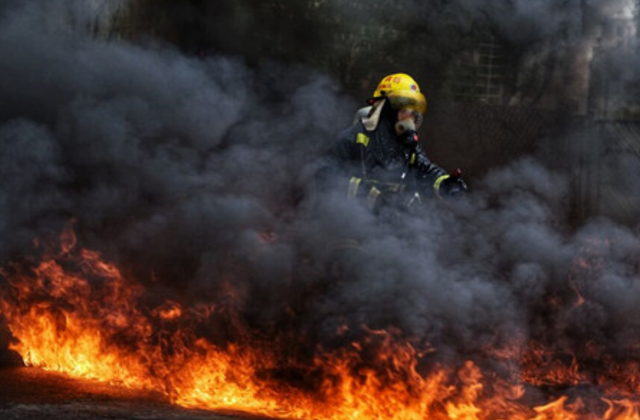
<point>77,314</point>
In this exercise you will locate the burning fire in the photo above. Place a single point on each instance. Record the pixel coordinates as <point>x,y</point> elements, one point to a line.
<point>75,313</point>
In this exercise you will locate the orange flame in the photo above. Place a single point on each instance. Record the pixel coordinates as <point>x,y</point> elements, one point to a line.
<point>78,314</point>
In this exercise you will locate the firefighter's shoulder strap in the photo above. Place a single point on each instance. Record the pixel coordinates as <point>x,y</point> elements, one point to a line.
<point>362,140</point>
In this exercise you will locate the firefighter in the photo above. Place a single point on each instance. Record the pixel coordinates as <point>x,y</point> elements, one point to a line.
<point>379,157</point>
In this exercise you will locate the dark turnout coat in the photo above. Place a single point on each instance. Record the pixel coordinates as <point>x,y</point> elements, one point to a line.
<point>375,165</point>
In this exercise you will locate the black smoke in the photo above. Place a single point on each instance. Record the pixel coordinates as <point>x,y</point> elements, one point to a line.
<point>177,167</point>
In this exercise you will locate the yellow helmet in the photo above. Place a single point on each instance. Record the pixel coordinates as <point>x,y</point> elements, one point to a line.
<point>403,92</point>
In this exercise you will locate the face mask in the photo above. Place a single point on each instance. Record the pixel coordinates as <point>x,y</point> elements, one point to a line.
<point>405,125</point>
<point>407,134</point>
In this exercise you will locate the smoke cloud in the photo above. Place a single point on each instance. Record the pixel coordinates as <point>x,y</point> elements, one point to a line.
<point>177,168</point>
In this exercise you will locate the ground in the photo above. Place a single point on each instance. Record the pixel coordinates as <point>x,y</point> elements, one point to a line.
<point>33,394</point>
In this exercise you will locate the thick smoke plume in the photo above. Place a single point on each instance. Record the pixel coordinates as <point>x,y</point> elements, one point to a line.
<point>196,176</point>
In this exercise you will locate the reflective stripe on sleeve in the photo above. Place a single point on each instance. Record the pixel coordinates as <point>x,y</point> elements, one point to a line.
<point>436,185</point>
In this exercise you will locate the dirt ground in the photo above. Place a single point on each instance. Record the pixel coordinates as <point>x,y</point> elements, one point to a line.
<point>33,394</point>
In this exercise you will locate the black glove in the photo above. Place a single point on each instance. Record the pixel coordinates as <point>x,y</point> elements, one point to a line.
<point>452,186</point>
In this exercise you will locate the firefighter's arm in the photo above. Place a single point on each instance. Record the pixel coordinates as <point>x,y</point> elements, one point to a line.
<point>436,179</point>
<point>339,162</point>
<point>347,155</point>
